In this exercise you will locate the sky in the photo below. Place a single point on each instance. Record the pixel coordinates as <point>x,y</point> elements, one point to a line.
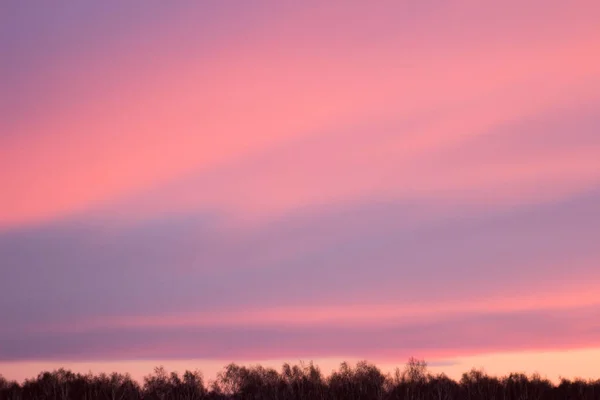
<point>193,183</point>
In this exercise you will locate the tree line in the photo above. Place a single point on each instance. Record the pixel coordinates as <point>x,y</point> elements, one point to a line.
<point>363,381</point>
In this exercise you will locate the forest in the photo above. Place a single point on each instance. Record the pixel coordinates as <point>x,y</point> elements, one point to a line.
<point>305,381</point>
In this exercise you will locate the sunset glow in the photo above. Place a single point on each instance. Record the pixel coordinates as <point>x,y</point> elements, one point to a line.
<point>201,182</point>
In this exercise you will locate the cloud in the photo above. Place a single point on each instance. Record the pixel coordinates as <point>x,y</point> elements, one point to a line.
<point>369,254</point>
<point>445,337</point>
<point>106,122</point>
<point>170,189</point>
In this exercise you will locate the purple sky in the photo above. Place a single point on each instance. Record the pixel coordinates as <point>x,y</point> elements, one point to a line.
<point>295,180</point>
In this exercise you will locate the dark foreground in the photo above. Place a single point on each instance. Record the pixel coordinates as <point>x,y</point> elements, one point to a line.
<point>298,382</point>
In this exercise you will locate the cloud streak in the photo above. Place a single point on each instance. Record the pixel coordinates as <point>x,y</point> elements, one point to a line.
<point>123,277</point>
<point>450,336</point>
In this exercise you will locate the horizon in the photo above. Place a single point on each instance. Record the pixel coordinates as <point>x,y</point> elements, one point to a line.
<point>326,366</point>
<point>362,381</point>
<point>553,365</point>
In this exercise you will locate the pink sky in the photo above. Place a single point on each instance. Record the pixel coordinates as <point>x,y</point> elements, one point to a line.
<point>202,182</point>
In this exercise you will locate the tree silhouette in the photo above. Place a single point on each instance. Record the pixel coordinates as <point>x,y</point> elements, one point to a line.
<point>363,381</point>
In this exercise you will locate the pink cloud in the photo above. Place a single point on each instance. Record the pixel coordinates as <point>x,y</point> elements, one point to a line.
<point>451,336</point>
<point>126,133</point>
